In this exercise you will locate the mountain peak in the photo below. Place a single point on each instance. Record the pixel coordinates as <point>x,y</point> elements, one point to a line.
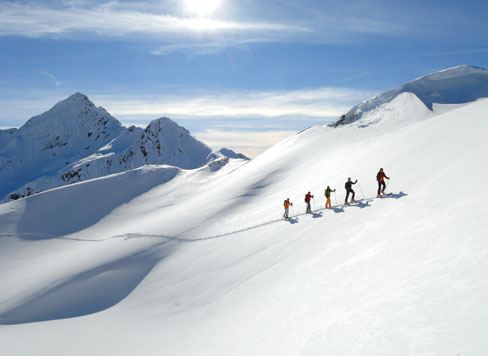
<point>79,97</point>
<point>455,85</point>
<point>231,154</point>
<point>76,109</point>
<point>166,126</point>
<point>164,122</point>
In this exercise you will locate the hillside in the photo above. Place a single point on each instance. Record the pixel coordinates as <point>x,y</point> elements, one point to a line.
<point>198,262</point>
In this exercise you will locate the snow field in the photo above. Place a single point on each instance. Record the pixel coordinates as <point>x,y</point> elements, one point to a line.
<point>396,276</point>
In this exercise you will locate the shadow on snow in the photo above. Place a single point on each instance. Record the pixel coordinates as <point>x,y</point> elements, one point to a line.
<point>396,195</point>
<point>88,291</point>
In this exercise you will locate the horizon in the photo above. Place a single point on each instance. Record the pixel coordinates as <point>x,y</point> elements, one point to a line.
<point>224,70</point>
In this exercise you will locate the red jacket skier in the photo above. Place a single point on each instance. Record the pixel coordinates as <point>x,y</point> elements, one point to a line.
<point>308,196</point>
<point>380,177</point>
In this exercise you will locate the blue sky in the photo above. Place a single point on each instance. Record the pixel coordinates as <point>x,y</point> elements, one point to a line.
<point>244,76</point>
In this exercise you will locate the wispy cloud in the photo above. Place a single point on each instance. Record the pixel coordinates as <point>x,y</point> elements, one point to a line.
<point>211,46</point>
<point>174,31</point>
<point>338,70</point>
<point>250,143</point>
<point>451,53</point>
<point>114,21</point>
<point>306,103</point>
<point>245,121</point>
<point>49,75</point>
<point>357,76</point>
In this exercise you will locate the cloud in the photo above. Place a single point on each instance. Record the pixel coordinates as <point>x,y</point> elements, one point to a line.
<point>250,143</point>
<point>114,21</point>
<point>49,75</point>
<point>338,70</point>
<point>211,46</point>
<point>245,121</point>
<point>321,103</point>
<point>452,53</point>
<point>170,29</point>
<point>357,76</point>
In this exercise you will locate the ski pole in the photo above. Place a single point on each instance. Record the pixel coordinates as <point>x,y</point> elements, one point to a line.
<point>388,182</point>
<point>314,206</point>
<point>359,185</point>
<point>335,197</point>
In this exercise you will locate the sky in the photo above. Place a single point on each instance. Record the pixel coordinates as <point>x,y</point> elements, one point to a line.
<point>241,74</point>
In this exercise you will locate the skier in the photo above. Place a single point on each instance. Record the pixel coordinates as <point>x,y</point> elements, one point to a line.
<point>328,204</point>
<point>287,204</point>
<point>308,196</point>
<point>380,177</point>
<point>348,187</point>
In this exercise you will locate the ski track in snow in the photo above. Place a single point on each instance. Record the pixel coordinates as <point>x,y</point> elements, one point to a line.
<point>360,203</point>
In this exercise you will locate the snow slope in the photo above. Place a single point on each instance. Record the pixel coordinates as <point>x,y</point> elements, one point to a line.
<point>198,262</point>
<point>76,141</point>
<point>457,85</point>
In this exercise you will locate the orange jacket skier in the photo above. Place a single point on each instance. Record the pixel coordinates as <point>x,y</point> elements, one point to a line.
<point>287,204</point>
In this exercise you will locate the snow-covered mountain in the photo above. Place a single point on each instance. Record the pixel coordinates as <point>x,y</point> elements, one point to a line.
<point>161,260</point>
<point>231,154</point>
<point>75,141</point>
<point>457,85</point>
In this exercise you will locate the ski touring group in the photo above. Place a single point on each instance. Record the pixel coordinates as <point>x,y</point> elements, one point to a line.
<point>380,178</point>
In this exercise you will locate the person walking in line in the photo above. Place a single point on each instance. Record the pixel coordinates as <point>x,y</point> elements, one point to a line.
<point>308,196</point>
<point>328,204</point>
<point>380,177</point>
<point>349,189</point>
<point>287,204</point>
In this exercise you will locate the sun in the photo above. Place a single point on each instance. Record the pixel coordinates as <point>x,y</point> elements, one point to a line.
<point>202,7</point>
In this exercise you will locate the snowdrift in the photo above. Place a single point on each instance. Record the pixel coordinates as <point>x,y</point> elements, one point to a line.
<point>199,262</point>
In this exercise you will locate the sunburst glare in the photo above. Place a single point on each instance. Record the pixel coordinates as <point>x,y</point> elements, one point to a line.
<point>202,7</point>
